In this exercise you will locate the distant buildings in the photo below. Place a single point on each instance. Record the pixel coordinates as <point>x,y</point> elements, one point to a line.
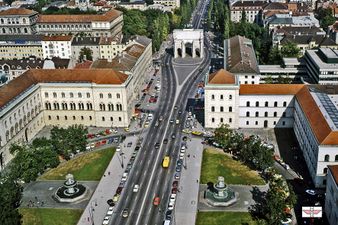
<point>240,59</point>
<point>57,46</point>
<point>252,10</point>
<point>288,20</point>
<point>170,3</point>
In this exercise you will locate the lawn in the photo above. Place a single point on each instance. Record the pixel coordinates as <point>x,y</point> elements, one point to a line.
<point>216,163</point>
<point>43,216</point>
<point>89,166</point>
<point>224,218</point>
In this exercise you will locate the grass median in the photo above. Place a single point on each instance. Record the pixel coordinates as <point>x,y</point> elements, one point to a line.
<point>44,216</point>
<point>224,218</point>
<point>216,163</point>
<point>89,166</point>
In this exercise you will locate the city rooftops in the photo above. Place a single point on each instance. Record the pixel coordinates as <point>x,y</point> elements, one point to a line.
<point>242,4</point>
<point>334,171</point>
<point>221,77</point>
<point>21,38</point>
<point>83,18</point>
<point>86,41</point>
<point>18,12</point>
<point>58,38</point>
<point>324,58</point>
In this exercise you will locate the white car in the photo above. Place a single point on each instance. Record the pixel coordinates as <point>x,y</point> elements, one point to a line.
<point>173,198</point>
<point>171,205</point>
<point>118,148</point>
<point>310,192</point>
<point>124,177</point>
<point>150,116</point>
<point>110,211</point>
<point>106,220</point>
<point>177,121</point>
<point>182,156</point>
<point>182,150</point>
<point>136,187</point>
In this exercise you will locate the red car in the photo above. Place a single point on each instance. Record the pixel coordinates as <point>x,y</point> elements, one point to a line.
<point>174,191</point>
<point>156,201</point>
<point>103,142</point>
<point>175,184</point>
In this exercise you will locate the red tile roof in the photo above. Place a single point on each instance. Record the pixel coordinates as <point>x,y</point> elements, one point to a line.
<point>58,38</point>
<point>270,89</point>
<point>17,11</point>
<point>34,76</point>
<point>221,77</point>
<point>334,172</point>
<point>83,18</point>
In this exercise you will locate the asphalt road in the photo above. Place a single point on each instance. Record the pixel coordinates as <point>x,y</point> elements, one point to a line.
<point>148,172</point>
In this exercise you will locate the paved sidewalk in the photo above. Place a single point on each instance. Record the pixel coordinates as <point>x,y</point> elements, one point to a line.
<point>107,186</point>
<point>187,198</point>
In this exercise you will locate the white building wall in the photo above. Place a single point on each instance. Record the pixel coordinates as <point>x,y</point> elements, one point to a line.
<point>248,78</point>
<point>218,99</point>
<point>269,111</point>
<point>59,49</point>
<point>331,200</point>
<point>327,155</point>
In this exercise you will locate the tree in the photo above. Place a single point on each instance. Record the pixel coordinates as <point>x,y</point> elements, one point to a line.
<point>86,54</point>
<point>268,79</point>
<point>290,49</point>
<point>243,17</point>
<point>223,135</point>
<point>11,193</point>
<point>325,17</point>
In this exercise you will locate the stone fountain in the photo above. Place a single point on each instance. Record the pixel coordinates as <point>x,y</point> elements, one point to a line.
<point>71,191</point>
<point>220,194</point>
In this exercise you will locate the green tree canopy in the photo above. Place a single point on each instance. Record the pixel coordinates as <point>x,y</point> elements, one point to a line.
<point>86,53</point>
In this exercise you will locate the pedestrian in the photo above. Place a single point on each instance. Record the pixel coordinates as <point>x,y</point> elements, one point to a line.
<point>108,172</point>
<point>42,203</point>
<point>197,180</point>
<point>104,175</point>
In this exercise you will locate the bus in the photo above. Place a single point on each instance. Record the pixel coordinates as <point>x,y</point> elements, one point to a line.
<point>165,162</point>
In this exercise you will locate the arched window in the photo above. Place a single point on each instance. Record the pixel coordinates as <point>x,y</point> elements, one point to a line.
<point>71,94</point>
<point>275,114</point>
<point>109,95</point>
<point>212,97</point>
<point>325,171</point>
<point>89,106</point>
<point>336,158</point>
<point>88,95</point>
<point>257,104</point>
<point>110,107</point>
<point>102,107</point>
<point>247,103</point>
<point>118,95</point>
<point>55,95</point>
<point>7,136</point>
<point>222,109</point>
<point>266,104</point>
<point>326,158</point>
<point>257,114</point>
<point>64,106</point>
<point>284,104</point>
<point>247,114</point>
<point>230,109</point>
<point>212,108</point>
<point>266,114</point>
<point>276,104</point>
<point>101,95</point>
<point>230,97</point>
<point>79,95</point>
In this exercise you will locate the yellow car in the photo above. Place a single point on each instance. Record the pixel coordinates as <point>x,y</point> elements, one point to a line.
<point>126,129</point>
<point>197,133</point>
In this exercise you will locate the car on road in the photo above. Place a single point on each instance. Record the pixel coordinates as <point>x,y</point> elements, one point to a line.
<point>182,150</point>
<point>178,169</point>
<point>136,188</point>
<point>110,202</point>
<point>124,177</point>
<point>129,144</point>
<point>106,220</point>
<point>179,112</point>
<point>171,121</point>
<point>160,119</point>
<point>310,192</point>
<point>157,145</point>
<point>126,129</point>
<point>179,162</point>
<point>175,184</point>
<point>181,156</point>
<point>156,201</point>
<point>110,211</point>
<point>171,205</point>
<point>173,136</point>
<point>177,176</point>
<point>165,141</point>
<point>174,190</point>
<point>172,198</point>
<point>185,138</point>
<point>186,131</point>
<point>119,190</point>
<point>177,121</point>
<point>168,215</point>
<point>118,148</point>
<point>175,107</point>
<point>125,213</point>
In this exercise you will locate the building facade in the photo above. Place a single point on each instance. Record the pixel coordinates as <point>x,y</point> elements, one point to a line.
<point>310,110</point>
<point>20,46</point>
<point>57,46</point>
<point>170,3</point>
<point>107,24</point>
<point>17,21</point>
<point>79,43</point>
<point>253,11</point>
<point>331,198</point>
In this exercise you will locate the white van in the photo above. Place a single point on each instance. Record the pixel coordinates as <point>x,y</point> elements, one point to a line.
<point>166,222</point>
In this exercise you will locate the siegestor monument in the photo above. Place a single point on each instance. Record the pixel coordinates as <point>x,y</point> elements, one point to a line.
<point>188,43</point>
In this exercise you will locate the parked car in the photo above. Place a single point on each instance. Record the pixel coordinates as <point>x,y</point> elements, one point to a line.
<point>125,213</point>
<point>110,210</point>
<point>175,184</point>
<point>106,220</point>
<point>165,141</point>
<point>156,201</point>
<point>129,144</point>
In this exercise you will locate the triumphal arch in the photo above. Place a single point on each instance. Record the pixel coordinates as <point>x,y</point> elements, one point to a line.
<point>188,42</point>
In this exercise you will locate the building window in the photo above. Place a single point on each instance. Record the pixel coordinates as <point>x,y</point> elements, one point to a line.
<point>222,120</point>
<point>283,115</point>
<point>213,120</point>
<point>222,109</point>
<point>256,122</point>
<point>284,104</point>
<point>120,119</point>
<point>230,120</point>
<point>274,122</point>
<point>101,95</point>
<point>257,114</point>
<point>221,97</point>
<point>247,122</point>
<point>283,123</point>
<point>336,158</point>
<point>257,104</point>
<point>102,107</point>
<point>326,158</point>
<point>118,95</point>
<point>74,117</point>
<point>275,114</point>
<point>247,103</point>
<point>230,109</point>
<point>88,95</point>
<point>49,117</point>
<point>109,95</point>
<point>325,171</point>
<point>63,95</point>
<point>266,104</point>
<point>71,95</point>
<point>247,114</point>
<point>89,106</point>
<point>66,117</point>
<point>57,117</point>
<point>212,108</point>
<point>212,97</point>
<point>46,94</point>
<point>111,118</point>
<point>275,104</point>
<point>230,97</point>
<point>55,95</point>
<point>266,114</point>
<point>90,117</point>
<point>103,118</point>
<point>79,95</point>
